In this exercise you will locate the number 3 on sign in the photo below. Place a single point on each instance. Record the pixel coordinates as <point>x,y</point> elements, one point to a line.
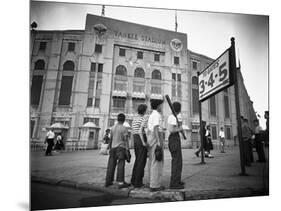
<point>202,86</point>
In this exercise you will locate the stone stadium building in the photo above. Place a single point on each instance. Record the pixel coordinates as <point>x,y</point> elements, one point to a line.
<point>81,79</point>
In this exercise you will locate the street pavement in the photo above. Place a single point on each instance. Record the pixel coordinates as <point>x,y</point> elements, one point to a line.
<point>218,178</point>
<point>45,196</point>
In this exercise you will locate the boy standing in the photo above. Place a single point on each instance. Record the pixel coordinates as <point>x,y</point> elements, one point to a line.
<point>154,139</point>
<point>117,153</point>
<point>246,135</point>
<point>175,148</point>
<point>222,140</point>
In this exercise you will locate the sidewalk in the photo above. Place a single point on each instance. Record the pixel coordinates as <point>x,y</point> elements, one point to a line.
<point>218,178</point>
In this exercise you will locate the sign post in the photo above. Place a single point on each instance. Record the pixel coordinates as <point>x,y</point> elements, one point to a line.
<point>201,131</point>
<point>237,104</point>
<point>219,75</point>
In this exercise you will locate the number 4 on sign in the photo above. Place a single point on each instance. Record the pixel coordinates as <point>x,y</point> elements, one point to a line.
<point>211,80</point>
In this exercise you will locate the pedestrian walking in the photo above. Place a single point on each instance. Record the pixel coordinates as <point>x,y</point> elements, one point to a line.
<point>222,140</point>
<point>174,143</point>
<point>117,153</point>
<point>140,146</point>
<point>246,135</point>
<point>208,143</point>
<point>50,136</point>
<point>259,142</point>
<point>155,146</point>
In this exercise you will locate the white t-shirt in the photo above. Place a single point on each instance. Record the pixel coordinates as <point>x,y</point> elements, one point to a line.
<point>154,120</point>
<point>173,121</point>
<point>221,134</point>
<point>50,135</point>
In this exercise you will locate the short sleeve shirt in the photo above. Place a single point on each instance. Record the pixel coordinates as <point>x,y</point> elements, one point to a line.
<point>173,121</point>
<point>221,134</point>
<point>119,136</point>
<point>154,120</point>
<point>50,135</point>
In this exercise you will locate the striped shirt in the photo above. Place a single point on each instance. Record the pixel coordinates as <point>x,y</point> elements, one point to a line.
<point>137,122</point>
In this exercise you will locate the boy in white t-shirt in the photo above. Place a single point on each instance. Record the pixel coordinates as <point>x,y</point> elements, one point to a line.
<point>175,147</point>
<point>155,140</point>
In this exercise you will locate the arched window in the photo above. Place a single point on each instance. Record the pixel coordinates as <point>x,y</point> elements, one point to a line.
<point>68,65</point>
<point>194,80</point>
<point>121,70</point>
<point>139,73</point>
<point>39,65</point>
<point>156,74</point>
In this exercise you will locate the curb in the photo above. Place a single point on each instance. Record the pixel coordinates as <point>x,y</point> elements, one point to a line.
<point>166,195</point>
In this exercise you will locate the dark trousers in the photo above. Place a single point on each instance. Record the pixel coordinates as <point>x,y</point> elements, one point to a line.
<point>116,157</point>
<point>259,148</point>
<point>50,143</point>
<point>139,165</point>
<point>246,152</point>
<point>175,150</point>
<point>251,153</point>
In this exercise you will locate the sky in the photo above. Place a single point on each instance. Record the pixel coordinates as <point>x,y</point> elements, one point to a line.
<point>208,33</point>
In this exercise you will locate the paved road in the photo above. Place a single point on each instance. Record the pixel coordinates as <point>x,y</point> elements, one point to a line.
<point>55,197</point>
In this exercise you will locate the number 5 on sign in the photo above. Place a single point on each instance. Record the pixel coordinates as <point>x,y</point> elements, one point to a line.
<point>215,77</point>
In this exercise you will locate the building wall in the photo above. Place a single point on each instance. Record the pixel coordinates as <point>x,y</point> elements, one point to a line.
<point>114,35</point>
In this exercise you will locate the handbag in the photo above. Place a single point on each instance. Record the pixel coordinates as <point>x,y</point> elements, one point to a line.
<point>158,153</point>
<point>128,155</point>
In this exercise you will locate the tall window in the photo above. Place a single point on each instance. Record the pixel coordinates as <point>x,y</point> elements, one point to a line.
<point>228,132</point>
<point>213,106</point>
<point>176,60</point>
<point>71,46</point>
<point>122,52</point>
<point>226,107</point>
<point>194,65</point>
<point>174,76</point>
<point>42,46</point>
<point>195,95</point>
<point>214,132</point>
<point>68,66</point>
<point>66,83</point>
<point>39,65</point>
<point>195,101</point>
<point>98,48</point>
<point>156,57</point>
<point>139,73</point>
<point>121,70</point>
<point>194,80</point>
<point>156,74</point>
<point>179,77</point>
<point>119,102</point>
<point>36,87</point>
<point>140,55</point>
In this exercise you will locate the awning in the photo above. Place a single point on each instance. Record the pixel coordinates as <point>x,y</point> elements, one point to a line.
<point>90,125</point>
<point>58,125</point>
<point>140,95</point>
<point>156,96</point>
<point>117,93</point>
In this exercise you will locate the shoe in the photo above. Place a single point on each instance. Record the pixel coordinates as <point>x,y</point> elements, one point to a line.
<point>197,154</point>
<point>156,189</point>
<point>181,183</point>
<point>108,184</point>
<point>123,185</point>
<point>210,156</point>
<point>177,187</point>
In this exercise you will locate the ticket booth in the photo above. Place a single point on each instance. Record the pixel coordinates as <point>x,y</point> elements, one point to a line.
<point>89,135</point>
